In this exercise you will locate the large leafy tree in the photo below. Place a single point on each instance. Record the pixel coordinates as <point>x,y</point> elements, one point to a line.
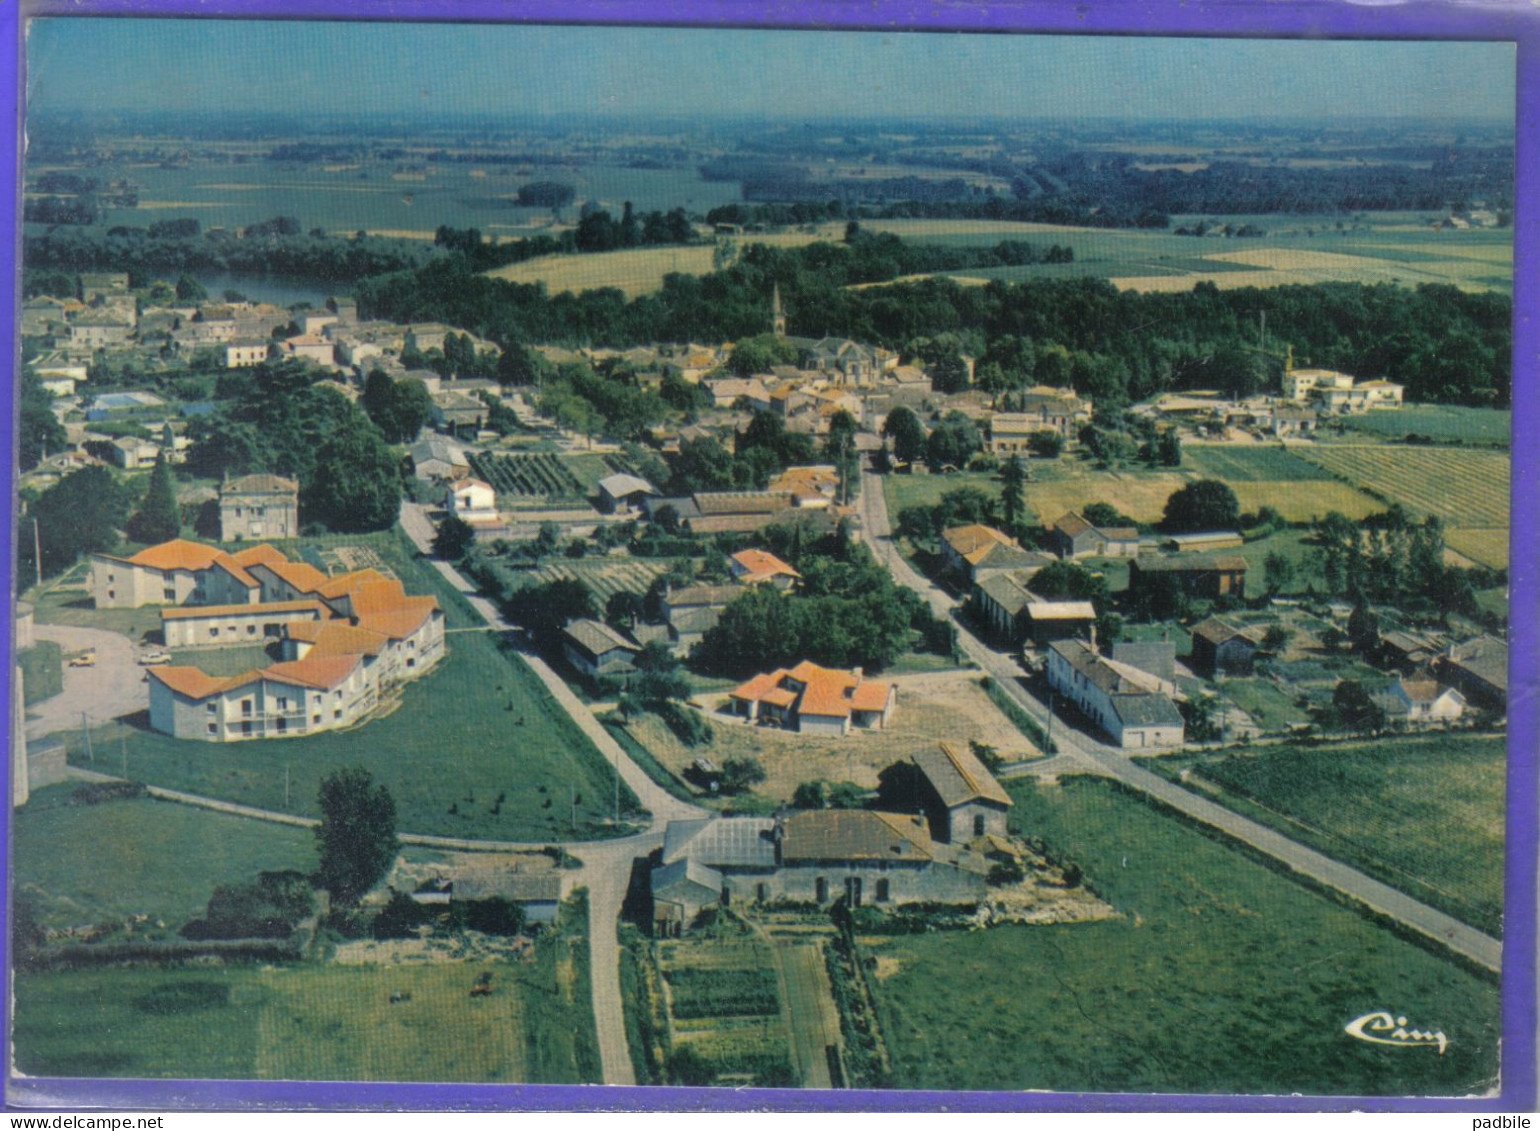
<point>357,833</point>
<point>80,514</point>
<point>356,485</point>
<point>399,409</point>
<point>1207,504</point>
<point>158,519</point>
<point>903,427</point>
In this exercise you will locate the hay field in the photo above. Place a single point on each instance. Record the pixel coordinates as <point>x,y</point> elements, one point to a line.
<point>1141,497</point>
<point>1482,545</point>
<point>1463,488</point>
<point>1304,501</point>
<point>1487,269</point>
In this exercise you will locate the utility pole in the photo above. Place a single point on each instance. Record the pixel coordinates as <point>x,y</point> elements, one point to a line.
<point>37,552</point>
<point>85,725</point>
<point>286,786</point>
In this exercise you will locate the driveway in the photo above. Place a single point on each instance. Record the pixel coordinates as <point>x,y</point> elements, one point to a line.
<point>114,687</point>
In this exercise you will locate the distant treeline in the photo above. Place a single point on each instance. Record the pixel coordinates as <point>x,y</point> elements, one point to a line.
<point>173,246</point>
<point>1444,345</point>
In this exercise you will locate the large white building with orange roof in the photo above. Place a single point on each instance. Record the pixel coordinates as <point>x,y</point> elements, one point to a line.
<point>178,573</point>
<point>345,640</point>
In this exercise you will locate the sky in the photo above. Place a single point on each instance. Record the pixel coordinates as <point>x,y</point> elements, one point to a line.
<point>77,64</point>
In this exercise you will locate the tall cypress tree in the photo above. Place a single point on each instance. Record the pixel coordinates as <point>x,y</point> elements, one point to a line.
<point>158,519</point>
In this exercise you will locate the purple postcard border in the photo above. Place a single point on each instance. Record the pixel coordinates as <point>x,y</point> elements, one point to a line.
<point>1310,19</point>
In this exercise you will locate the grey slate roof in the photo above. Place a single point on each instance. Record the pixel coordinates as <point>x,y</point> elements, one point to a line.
<point>1158,657</point>
<point>597,638</point>
<point>958,776</point>
<point>1146,710</point>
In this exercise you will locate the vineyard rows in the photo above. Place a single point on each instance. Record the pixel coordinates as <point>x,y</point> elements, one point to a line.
<point>603,578</point>
<point>1460,486</point>
<point>544,477</point>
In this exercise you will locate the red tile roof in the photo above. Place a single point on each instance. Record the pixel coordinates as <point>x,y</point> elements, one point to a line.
<point>178,554</point>
<point>757,565</point>
<point>301,576</point>
<point>826,692</point>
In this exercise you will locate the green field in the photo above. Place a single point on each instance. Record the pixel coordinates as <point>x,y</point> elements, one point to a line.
<point>1422,814</point>
<point>164,859</point>
<point>1438,422</point>
<point>1224,977</point>
<point>1460,486</point>
<point>318,1022</point>
<point>226,661</point>
<point>1243,463</point>
<point>42,671</point>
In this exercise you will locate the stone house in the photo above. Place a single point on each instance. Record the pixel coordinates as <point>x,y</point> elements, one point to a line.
<point>597,650</point>
<point>258,506</point>
<point>959,797</point>
<point>1133,708</point>
<point>1220,650</point>
<point>1074,537</point>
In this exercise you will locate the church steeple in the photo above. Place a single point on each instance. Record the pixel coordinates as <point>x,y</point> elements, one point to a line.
<point>777,313</point>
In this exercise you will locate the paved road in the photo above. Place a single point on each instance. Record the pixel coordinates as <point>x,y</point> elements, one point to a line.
<point>114,687</point>
<point>606,864</point>
<point>1079,752</point>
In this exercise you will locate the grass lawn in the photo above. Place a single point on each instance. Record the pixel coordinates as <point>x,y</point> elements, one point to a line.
<point>1268,707</point>
<point>479,727</point>
<point>1423,814</point>
<point>904,491</point>
<point>311,1022</point>
<point>99,863</point>
<point>1223,977</point>
<point>1249,463</point>
<point>42,671</point>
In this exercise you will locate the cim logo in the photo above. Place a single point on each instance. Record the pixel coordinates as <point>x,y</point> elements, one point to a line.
<point>1383,1029</point>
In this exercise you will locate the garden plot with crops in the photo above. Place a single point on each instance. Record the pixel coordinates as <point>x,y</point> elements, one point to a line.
<point>724,1003</point>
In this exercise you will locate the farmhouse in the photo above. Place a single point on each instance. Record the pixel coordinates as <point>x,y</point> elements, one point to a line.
<point>620,494</point>
<point>694,610</point>
<point>1218,649</point>
<point>960,798</point>
<point>596,649</point>
<point>334,673</point>
<point>813,700</point>
<point>1420,700</point>
<point>437,458</point>
<point>309,347</point>
<point>245,354</point>
<point>963,546</point>
<point>808,486</point>
<point>1216,577</point>
<point>1408,651</point>
<point>814,856</point>
<point>760,567</point>
<point>1074,537</point>
<point>1015,614</point>
<point>1133,708</point>
<point>1479,669</point>
<point>258,506</point>
<point>453,411</point>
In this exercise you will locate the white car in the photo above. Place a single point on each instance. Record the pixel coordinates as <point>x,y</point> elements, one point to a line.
<point>157,657</point>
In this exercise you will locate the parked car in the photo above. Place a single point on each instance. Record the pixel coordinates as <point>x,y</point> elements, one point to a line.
<point>84,660</point>
<point>155,657</point>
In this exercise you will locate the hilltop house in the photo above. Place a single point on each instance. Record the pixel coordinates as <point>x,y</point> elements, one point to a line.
<point>1133,708</point>
<point>812,856</point>
<point>813,700</point>
<point>258,506</point>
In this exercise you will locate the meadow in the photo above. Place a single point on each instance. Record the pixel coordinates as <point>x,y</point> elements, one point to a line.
<point>42,671</point>
<point>318,1022</point>
<point>165,859</point>
<point>1223,976</point>
<point>1422,814</point>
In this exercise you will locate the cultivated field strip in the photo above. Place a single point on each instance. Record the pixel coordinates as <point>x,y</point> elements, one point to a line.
<point>1461,487</point>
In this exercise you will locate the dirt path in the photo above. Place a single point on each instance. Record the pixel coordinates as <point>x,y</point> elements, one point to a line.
<point>811,1017</point>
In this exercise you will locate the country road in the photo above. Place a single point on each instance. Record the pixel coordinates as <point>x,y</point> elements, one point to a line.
<point>1079,752</point>
<point>606,864</point>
